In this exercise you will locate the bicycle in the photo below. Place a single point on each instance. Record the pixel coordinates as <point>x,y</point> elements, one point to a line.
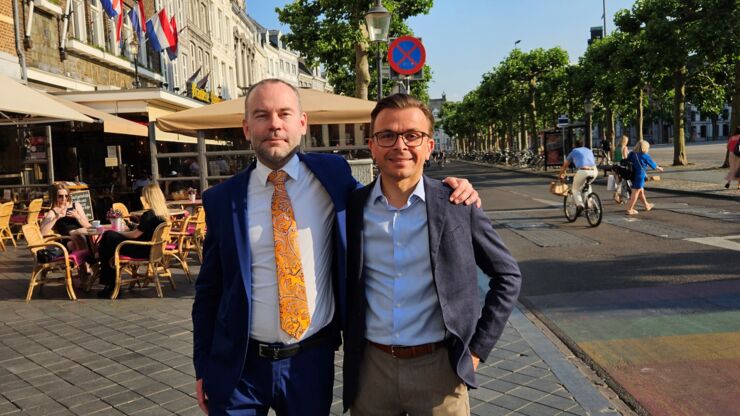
<point>593,209</point>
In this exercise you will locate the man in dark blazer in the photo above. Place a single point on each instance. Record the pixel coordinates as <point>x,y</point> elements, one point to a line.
<point>246,361</point>
<point>415,330</point>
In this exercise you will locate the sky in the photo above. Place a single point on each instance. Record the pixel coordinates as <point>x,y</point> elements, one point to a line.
<point>464,39</point>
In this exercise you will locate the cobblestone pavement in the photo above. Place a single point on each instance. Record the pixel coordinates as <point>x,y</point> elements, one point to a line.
<point>133,356</point>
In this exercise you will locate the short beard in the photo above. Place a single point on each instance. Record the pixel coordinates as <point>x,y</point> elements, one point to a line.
<point>272,160</point>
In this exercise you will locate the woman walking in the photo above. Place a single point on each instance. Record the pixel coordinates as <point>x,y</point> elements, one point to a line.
<point>734,173</point>
<point>641,161</point>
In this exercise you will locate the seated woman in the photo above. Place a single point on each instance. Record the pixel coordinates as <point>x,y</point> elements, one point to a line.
<point>149,221</point>
<point>65,218</point>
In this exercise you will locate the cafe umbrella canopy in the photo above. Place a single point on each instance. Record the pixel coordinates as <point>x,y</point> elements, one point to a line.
<point>20,105</point>
<point>321,107</point>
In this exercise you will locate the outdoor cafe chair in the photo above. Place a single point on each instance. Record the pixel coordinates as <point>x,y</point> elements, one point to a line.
<point>6,211</point>
<point>154,263</point>
<point>120,207</point>
<point>26,216</point>
<point>66,263</point>
<point>187,240</point>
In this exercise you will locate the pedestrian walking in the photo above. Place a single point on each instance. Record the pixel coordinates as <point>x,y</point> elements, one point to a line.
<point>641,161</point>
<point>415,331</point>
<point>620,155</point>
<point>270,299</point>
<point>733,147</point>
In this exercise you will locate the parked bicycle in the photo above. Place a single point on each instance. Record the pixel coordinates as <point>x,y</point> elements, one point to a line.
<point>592,210</point>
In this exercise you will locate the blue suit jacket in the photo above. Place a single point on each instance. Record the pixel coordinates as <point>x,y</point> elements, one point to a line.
<point>460,237</point>
<point>222,306</point>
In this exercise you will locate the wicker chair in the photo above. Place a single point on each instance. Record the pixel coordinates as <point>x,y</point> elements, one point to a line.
<point>120,207</point>
<point>66,264</point>
<point>155,263</point>
<point>6,211</point>
<point>26,216</point>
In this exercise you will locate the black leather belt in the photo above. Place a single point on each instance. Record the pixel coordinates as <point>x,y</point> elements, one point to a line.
<point>279,351</point>
<point>408,352</point>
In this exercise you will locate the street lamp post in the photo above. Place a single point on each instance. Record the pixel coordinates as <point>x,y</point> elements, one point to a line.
<point>516,43</point>
<point>134,49</point>
<point>378,21</point>
<point>589,109</point>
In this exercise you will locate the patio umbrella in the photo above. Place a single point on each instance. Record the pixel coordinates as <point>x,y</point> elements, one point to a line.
<point>111,124</point>
<point>321,107</point>
<point>20,104</point>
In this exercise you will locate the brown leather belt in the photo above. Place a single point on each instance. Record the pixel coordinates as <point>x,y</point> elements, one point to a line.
<point>408,352</point>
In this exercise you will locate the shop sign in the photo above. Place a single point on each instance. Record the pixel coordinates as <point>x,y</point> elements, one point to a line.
<point>202,95</point>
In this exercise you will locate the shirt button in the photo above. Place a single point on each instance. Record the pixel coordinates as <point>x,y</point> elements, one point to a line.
<point>399,274</point>
<point>398,305</point>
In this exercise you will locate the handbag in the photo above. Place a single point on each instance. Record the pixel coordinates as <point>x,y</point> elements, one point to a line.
<point>46,255</point>
<point>558,188</point>
<point>611,183</point>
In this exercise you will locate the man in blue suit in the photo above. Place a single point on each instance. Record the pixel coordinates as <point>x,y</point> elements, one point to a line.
<point>415,331</point>
<point>269,298</point>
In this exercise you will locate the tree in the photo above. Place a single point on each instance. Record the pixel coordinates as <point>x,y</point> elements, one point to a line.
<point>333,33</point>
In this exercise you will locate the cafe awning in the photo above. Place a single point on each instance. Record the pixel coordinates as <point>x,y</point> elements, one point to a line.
<point>20,104</point>
<point>111,124</point>
<point>321,107</point>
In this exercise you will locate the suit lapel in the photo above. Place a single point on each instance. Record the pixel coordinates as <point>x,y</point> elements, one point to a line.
<point>436,201</point>
<point>356,211</point>
<point>240,219</point>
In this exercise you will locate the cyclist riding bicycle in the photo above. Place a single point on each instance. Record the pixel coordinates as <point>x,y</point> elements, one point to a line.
<point>583,159</point>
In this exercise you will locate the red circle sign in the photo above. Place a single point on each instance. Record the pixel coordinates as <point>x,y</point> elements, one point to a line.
<point>406,55</point>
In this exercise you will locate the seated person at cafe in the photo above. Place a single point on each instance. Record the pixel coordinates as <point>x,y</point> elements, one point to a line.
<point>65,218</point>
<point>149,221</point>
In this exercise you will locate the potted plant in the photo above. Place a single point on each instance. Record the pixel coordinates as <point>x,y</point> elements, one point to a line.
<point>116,218</point>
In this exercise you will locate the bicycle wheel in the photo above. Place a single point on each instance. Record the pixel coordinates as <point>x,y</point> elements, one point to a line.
<point>594,213</point>
<point>569,207</point>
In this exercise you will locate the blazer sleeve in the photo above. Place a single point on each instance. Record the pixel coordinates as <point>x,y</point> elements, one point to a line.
<point>495,260</point>
<point>208,291</point>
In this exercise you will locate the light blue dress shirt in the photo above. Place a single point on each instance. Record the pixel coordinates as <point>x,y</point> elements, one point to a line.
<point>402,302</point>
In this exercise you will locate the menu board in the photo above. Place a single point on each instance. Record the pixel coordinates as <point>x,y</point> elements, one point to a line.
<point>83,198</point>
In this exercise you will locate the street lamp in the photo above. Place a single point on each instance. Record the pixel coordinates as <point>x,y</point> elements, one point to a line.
<point>588,106</point>
<point>378,21</point>
<point>516,43</point>
<point>133,46</point>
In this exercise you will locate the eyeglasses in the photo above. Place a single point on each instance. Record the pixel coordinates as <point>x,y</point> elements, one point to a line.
<point>63,196</point>
<point>410,138</point>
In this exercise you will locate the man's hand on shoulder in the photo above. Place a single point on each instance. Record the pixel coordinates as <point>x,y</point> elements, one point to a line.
<point>462,191</point>
<point>202,398</point>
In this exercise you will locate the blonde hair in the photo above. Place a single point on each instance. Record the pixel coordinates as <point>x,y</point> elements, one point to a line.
<point>624,141</point>
<point>643,146</point>
<point>154,196</point>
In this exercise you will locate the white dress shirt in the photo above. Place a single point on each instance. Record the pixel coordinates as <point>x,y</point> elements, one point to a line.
<point>314,215</point>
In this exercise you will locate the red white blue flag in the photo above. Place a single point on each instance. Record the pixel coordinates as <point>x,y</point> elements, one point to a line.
<point>160,32</point>
<point>138,21</point>
<point>112,7</point>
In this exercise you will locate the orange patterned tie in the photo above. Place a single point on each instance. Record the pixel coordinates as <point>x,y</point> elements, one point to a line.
<point>294,316</point>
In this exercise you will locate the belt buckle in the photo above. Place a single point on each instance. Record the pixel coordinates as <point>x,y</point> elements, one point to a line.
<point>267,351</point>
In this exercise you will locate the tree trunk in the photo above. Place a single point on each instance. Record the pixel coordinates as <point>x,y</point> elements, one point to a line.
<point>533,110</point>
<point>679,107</point>
<point>362,69</point>
<point>640,114</point>
<point>609,120</point>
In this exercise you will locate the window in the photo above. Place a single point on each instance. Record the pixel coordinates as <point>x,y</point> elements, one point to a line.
<point>703,131</point>
<point>79,26</point>
<point>98,31</point>
<point>219,33</point>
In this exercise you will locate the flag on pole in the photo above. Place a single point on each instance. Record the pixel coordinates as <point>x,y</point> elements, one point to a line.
<point>192,77</point>
<point>203,82</point>
<point>112,7</point>
<point>138,21</point>
<point>172,50</point>
<point>160,32</point>
<point>119,24</point>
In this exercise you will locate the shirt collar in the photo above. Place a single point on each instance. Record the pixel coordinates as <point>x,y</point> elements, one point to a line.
<point>418,192</point>
<point>292,168</point>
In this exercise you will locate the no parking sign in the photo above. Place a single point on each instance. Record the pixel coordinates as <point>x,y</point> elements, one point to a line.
<point>406,55</point>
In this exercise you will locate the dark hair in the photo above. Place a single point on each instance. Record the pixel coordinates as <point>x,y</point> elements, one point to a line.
<point>270,81</point>
<point>400,102</point>
<point>579,143</point>
<point>737,129</point>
